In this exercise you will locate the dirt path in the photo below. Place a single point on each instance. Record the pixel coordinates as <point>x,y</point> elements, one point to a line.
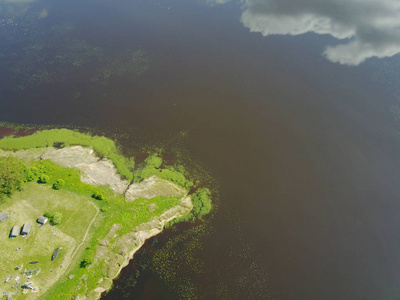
<point>84,238</point>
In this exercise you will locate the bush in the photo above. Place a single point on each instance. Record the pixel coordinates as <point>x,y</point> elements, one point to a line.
<point>12,175</point>
<point>153,161</point>
<point>48,215</point>
<point>35,171</point>
<point>58,184</point>
<point>98,196</point>
<point>29,175</point>
<point>85,262</point>
<point>43,179</point>
<point>152,166</point>
<point>201,202</point>
<point>56,220</point>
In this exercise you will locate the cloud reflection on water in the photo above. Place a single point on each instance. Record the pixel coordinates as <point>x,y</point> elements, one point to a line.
<point>370,28</point>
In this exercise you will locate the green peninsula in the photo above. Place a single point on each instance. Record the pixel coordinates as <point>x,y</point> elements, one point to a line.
<point>99,208</point>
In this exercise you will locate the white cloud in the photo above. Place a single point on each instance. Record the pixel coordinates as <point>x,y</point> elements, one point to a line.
<point>373,26</point>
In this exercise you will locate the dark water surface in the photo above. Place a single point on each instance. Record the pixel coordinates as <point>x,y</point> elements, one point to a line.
<point>305,148</point>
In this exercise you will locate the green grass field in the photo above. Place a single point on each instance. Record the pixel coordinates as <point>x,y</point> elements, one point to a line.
<point>33,201</point>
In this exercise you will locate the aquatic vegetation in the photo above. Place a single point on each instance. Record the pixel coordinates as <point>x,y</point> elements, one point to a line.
<point>51,55</point>
<point>176,255</point>
<point>130,62</point>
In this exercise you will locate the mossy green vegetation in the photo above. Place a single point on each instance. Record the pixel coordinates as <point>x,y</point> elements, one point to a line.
<point>103,146</point>
<point>152,166</point>
<point>201,203</point>
<point>202,206</point>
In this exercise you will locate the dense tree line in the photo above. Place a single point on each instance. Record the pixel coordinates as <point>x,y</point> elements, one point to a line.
<point>12,174</point>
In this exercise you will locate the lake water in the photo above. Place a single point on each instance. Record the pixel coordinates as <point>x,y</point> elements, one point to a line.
<point>291,105</point>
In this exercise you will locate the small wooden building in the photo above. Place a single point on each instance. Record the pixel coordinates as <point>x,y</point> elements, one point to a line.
<point>3,216</point>
<point>42,220</point>
<point>26,229</point>
<point>14,232</point>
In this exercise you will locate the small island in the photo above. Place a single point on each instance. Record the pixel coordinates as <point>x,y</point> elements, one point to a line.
<point>74,210</point>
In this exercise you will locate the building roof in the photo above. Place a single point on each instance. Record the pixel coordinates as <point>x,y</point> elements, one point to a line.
<point>14,231</point>
<point>42,220</point>
<point>3,216</point>
<point>26,228</point>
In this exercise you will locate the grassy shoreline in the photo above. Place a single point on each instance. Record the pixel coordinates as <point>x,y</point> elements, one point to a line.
<point>114,209</point>
<point>103,146</point>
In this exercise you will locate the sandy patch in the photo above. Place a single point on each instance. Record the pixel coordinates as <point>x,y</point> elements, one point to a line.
<point>96,171</point>
<point>152,187</point>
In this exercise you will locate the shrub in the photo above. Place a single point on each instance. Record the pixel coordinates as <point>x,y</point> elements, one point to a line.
<point>98,196</point>
<point>58,145</point>
<point>48,215</point>
<point>35,171</point>
<point>44,179</point>
<point>152,166</point>
<point>85,262</point>
<point>201,202</point>
<point>153,161</point>
<point>56,220</point>
<point>29,175</point>
<point>12,175</point>
<point>58,184</point>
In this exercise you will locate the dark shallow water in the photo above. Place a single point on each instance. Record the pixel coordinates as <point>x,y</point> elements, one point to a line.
<point>305,150</point>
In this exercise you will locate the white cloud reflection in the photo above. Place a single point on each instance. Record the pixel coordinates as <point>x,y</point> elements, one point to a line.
<point>369,28</point>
